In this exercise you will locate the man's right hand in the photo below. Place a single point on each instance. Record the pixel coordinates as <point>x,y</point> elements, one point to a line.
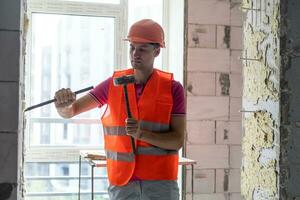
<point>64,98</point>
<point>68,106</point>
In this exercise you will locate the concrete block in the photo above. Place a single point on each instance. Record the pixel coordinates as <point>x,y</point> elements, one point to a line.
<point>207,108</point>
<point>235,180</point>
<point>223,84</point>
<point>200,132</point>
<point>223,37</point>
<point>9,55</point>
<point>235,61</point>
<point>9,98</point>
<point>236,84</point>
<point>8,158</point>
<point>208,60</point>
<point>222,180</point>
<point>10,14</point>
<point>236,15</point>
<point>204,181</point>
<point>235,154</point>
<point>235,107</point>
<point>235,196</point>
<point>203,36</point>
<point>228,180</point>
<point>209,156</point>
<point>201,84</point>
<point>229,132</point>
<point>236,38</point>
<point>207,197</point>
<point>209,12</point>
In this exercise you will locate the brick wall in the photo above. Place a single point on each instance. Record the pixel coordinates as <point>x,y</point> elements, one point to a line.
<point>214,90</point>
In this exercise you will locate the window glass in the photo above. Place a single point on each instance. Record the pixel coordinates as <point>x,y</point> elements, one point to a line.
<point>67,52</point>
<point>61,179</point>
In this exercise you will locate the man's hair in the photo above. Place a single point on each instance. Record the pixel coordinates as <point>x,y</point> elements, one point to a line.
<point>155,45</point>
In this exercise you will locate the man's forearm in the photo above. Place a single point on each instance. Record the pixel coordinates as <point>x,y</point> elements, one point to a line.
<point>172,139</point>
<point>168,140</point>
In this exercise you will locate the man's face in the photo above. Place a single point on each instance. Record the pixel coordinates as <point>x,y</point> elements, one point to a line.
<point>142,55</point>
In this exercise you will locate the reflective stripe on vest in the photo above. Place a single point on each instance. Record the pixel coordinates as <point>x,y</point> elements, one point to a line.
<point>152,150</point>
<point>155,127</point>
<point>114,130</point>
<point>129,157</point>
<point>150,126</point>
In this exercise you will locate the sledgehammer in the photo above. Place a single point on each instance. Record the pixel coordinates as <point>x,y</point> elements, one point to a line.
<point>124,80</point>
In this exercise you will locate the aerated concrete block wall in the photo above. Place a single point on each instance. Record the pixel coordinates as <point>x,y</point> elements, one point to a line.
<point>214,91</point>
<point>10,34</point>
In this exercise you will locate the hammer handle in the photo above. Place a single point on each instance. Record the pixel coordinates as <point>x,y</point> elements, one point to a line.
<point>128,113</point>
<point>127,101</point>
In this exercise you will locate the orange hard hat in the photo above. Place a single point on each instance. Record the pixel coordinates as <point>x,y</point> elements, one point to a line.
<point>146,31</point>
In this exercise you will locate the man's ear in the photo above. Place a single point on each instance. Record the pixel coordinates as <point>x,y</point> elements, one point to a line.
<point>156,51</point>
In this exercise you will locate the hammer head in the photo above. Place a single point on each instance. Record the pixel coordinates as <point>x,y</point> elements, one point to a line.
<point>124,80</point>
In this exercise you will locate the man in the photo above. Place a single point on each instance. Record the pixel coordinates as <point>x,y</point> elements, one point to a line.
<point>157,125</point>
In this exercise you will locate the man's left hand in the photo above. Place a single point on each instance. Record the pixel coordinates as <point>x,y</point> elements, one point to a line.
<point>133,128</point>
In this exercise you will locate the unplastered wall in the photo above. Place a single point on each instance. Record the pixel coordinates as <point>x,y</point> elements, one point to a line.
<point>10,34</point>
<point>214,90</point>
<point>261,102</point>
<point>290,95</point>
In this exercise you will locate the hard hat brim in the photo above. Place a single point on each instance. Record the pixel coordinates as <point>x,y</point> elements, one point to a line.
<point>142,40</point>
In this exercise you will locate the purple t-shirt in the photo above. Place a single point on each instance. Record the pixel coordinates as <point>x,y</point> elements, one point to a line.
<point>100,93</point>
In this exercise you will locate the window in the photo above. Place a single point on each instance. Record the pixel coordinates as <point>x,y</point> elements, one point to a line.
<point>75,44</point>
<point>71,44</point>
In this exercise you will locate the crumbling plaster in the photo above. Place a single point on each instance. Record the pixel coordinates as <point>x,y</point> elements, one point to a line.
<point>259,163</point>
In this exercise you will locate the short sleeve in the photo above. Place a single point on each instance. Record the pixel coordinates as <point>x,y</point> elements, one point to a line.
<point>100,92</point>
<point>178,98</point>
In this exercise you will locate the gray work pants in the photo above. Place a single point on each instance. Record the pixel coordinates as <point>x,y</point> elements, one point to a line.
<point>145,190</point>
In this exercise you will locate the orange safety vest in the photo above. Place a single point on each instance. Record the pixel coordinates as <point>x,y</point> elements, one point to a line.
<point>153,111</point>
